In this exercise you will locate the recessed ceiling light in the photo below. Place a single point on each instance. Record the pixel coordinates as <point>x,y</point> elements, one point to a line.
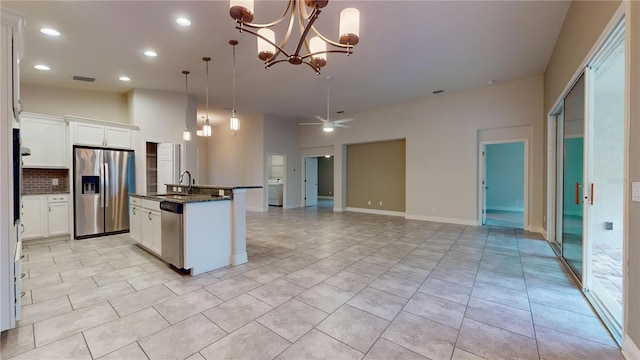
<point>50,32</point>
<point>151,53</point>
<point>124,78</point>
<point>42,67</point>
<point>183,21</point>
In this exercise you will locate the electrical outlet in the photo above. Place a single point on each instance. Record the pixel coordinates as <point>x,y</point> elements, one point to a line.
<point>380,203</point>
<point>369,202</point>
<point>54,182</point>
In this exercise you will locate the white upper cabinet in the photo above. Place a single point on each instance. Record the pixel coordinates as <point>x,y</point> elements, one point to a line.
<point>46,136</point>
<point>101,133</point>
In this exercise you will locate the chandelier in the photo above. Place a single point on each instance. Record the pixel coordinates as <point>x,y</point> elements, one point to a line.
<point>316,47</point>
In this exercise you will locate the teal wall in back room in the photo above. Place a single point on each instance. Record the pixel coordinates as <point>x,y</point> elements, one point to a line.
<point>505,176</point>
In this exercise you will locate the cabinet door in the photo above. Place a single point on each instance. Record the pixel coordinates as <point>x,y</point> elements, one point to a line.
<point>117,137</point>
<point>33,220</point>
<point>58,218</point>
<point>156,227</point>
<point>47,139</point>
<point>146,236</point>
<point>88,134</point>
<point>135,222</point>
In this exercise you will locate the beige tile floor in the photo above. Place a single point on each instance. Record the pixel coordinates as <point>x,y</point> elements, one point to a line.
<point>318,285</point>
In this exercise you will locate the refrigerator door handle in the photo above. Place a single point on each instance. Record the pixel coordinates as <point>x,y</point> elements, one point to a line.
<point>101,186</point>
<point>106,184</point>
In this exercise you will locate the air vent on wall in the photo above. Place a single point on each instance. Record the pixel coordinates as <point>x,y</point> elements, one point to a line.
<point>438,92</point>
<point>83,78</point>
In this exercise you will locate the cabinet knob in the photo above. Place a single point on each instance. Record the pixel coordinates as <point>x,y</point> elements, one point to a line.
<point>149,215</point>
<point>22,276</point>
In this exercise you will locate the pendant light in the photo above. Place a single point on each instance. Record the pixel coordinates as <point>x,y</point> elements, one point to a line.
<point>186,134</point>
<point>206,128</point>
<point>234,122</point>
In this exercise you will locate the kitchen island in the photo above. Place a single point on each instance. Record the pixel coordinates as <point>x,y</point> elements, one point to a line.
<point>199,228</point>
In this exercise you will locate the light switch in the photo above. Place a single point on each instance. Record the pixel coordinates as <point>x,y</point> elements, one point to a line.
<point>635,191</point>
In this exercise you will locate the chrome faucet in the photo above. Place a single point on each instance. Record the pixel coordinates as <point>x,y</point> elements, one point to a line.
<point>182,176</point>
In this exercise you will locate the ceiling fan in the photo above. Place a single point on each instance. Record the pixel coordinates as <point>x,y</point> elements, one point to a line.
<point>327,124</point>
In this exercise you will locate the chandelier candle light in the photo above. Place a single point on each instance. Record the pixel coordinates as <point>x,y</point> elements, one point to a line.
<point>206,128</point>
<point>316,57</point>
<point>186,134</point>
<point>234,122</point>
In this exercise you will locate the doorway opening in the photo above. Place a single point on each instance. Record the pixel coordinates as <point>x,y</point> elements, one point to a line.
<point>276,180</point>
<point>503,183</point>
<point>318,181</point>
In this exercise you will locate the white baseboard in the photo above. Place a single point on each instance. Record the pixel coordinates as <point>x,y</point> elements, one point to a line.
<point>325,197</point>
<point>256,209</point>
<point>376,212</point>
<point>239,259</point>
<point>505,208</point>
<point>338,209</point>
<point>441,219</point>
<point>629,349</point>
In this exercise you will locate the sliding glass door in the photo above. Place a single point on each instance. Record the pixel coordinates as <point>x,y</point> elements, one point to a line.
<point>605,176</point>
<point>572,177</point>
<point>589,182</point>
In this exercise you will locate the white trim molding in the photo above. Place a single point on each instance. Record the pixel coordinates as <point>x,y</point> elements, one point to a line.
<point>630,349</point>
<point>441,220</point>
<point>376,212</point>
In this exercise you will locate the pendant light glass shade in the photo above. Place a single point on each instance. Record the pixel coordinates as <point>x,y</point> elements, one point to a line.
<point>349,26</point>
<point>186,134</point>
<point>234,123</point>
<point>206,130</point>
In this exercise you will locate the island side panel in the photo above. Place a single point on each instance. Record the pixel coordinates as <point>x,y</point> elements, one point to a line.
<point>207,235</point>
<point>239,227</point>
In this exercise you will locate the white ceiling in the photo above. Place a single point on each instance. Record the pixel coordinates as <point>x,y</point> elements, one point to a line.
<point>407,50</point>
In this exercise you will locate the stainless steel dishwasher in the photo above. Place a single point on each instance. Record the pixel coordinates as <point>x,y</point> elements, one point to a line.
<point>172,233</point>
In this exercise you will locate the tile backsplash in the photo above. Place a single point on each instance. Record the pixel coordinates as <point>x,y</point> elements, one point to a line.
<point>39,181</point>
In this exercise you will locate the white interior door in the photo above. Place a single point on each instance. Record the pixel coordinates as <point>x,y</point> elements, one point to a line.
<point>311,181</point>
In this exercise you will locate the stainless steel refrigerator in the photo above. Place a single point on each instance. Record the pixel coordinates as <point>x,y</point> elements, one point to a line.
<point>103,179</point>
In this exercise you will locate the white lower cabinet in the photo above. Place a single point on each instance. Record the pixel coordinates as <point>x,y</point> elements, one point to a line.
<point>145,225</point>
<point>135,222</point>
<point>45,215</point>
<point>34,216</point>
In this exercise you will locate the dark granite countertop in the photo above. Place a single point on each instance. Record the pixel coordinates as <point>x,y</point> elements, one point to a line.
<point>182,199</point>
<point>223,187</point>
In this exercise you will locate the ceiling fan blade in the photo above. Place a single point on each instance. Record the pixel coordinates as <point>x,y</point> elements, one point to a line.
<point>342,121</point>
<point>321,119</point>
<point>341,126</point>
<point>309,124</point>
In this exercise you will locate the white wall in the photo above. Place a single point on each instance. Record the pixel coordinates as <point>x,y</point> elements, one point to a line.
<point>442,146</point>
<point>82,103</point>
<point>281,137</point>
<point>239,160</point>
<point>160,115</point>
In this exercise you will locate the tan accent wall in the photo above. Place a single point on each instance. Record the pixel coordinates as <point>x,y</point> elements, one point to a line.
<point>82,103</point>
<point>376,172</point>
<point>632,318</point>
